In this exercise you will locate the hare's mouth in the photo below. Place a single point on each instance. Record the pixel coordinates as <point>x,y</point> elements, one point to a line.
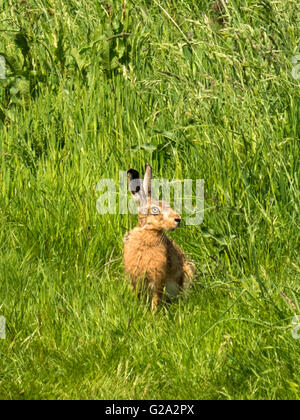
<point>177,224</point>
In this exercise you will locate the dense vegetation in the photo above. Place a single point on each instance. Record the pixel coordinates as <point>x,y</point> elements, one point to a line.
<point>199,91</point>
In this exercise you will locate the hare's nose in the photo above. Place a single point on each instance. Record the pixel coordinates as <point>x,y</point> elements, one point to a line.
<point>178,221</point>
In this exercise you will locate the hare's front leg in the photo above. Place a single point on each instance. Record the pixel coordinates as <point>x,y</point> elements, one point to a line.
<point>135,290</point>
<point>156,298</point>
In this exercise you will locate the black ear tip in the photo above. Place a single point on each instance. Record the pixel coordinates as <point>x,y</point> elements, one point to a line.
<point>133,174</point>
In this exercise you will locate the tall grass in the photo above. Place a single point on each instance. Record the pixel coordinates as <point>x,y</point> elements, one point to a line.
<point>95,87</point>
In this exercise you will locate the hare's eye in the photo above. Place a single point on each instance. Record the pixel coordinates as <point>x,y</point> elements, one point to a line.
<point>155,210</point>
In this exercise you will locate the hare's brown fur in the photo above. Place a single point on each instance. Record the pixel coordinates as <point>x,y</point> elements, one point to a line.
<point>152,260</point>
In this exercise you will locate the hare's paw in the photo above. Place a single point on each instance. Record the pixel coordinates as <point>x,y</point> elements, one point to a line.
<point>189,269</point>
<point>189,274</point>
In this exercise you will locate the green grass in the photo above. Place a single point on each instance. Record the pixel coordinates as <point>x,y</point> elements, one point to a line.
<point>197,100</point>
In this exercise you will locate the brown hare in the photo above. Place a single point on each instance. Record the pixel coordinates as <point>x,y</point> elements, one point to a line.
<point>152,260</point>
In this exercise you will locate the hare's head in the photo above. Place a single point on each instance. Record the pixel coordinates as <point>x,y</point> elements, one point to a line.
<point>153,214</point>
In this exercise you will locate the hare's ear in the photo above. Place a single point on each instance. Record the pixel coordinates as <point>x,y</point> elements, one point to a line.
<point>135,186</point>
<point>147,180</point>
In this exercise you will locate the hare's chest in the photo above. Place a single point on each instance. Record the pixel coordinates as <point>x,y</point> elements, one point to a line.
<point>143,253</point>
